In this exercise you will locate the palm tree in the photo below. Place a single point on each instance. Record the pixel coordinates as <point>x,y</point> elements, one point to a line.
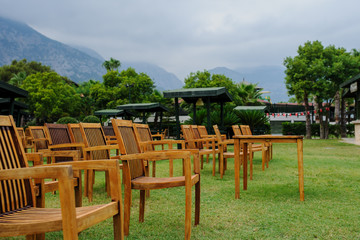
<point>112,64</point>
<point>17,79</point>
<point>249,93</point>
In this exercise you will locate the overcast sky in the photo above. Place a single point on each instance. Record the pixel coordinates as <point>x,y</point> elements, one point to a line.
<point>189,35</point>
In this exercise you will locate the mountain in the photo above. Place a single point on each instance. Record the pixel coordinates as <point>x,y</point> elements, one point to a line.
<point>18,41</point>
<point>270,78</point>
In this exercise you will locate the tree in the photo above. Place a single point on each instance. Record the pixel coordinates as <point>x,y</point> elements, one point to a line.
<point>205,79</point>
<point>302,73</point>
<point>249,94</point>
<point>112,64</point>
<point>18,79</point>
<point>16,67</point>
<point>50,97</point>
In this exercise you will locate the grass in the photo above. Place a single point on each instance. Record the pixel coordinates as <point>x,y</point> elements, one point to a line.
<point>269,209</point>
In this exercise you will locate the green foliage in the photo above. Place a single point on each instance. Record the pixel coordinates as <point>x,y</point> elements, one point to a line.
<point>255,119</point>
<point>91,119</point>
<point>249,94</point>
<point>205,79</point>
<point>50,97</point>
<point>111,65</point>
<point>24,67</point>
<point>66,120</point>
<point>296,128</point>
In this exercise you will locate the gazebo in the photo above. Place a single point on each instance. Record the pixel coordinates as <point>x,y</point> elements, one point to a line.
<point>352,90</point>
<point>8,105</point>
<point>113,113</point>
<point>199,96</point>
<point>144,108</point>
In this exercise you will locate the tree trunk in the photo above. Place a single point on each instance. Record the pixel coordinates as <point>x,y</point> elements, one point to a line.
<point>342,119</point>
<point>308,124</point>
<point>326,123</point>
<point>337,107</point>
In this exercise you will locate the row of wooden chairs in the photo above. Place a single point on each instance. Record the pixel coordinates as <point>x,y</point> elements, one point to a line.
<point>135,176</point>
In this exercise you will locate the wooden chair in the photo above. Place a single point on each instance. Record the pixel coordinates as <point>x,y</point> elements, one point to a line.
<point>60,139</point>
<point>144,137</point>
<point>134,175</point>
<point>40,138</point>
<point>26,141</point>
<point>96,148</point>
<point>264,148</point>
<point>18,215</point>
<point>193,142</point>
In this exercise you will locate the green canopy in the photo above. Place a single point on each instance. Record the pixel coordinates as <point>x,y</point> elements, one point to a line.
<point>144,107</point>
<point>200,96</point>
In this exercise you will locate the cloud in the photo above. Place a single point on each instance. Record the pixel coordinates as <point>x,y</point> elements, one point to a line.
<point>186,36</point>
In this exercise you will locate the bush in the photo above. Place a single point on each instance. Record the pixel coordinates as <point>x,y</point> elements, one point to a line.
<point>296,128</point>
<point>66,120</point>
<point>91,119</point>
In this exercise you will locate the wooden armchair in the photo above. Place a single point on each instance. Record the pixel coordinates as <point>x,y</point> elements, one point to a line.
<point>40,138</point>
<point>18,214</point>
<point>134,178</point>
<point>26,140</point>
<point>96,148</point>
<point>75,132</point>
<point>191,142</point>
<point>60,140</point>
<point>144,138</point>
<point>264,148</point>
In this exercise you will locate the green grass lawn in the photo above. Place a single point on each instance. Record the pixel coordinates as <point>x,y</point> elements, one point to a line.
<point>269,209</point>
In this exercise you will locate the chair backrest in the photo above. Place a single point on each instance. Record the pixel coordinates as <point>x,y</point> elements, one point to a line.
<point>236,130</point>
<point>109,131</point>
<point>143,134</point>
<point>128,144</point>
<point>245,129</point>
<point>59,133</point>
<point>217,133</point>
<point>93,135</point>
<point>75,133</point>
<point>188,135</point>
<point>14,194</point>
<point>197,135</point>
<point>203,131</point>
<point>40,137</point>
<point>22,135</point>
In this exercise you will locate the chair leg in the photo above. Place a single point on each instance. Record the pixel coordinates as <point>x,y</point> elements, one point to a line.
<point>187,211</point>
<point>197,203</point>
<point>107,182</point>
<point>90,184</point>
<point>127,206</point>
<point>214,165</point>
<point>78,191</point>
<point>251,157</point>
<point>142,206</point>
<point>171,168</point>
<point>118,226</point>
<point>207,158</point>
<point>153,169</point>
<point>221,167</point>
<point>202,162</point>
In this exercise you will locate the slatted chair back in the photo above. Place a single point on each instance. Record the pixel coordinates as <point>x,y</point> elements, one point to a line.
<point>197,135</point>
<point>75,133</point>
<point>217,133</point>
<point>236,129</point>
<point>40,137</point>
<point>93,135</point>
<point>143,133</point>
<point>188,135</point>
<point>23,137</point>
<point>109,131</point>
<point>14,194</point>
<point>245,129</point>
<point>128,144</point>
<point>202,131</point>
<point>60,134</point>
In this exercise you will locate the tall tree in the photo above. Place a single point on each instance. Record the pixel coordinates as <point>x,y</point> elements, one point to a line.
<point>16,67</point>
<point>112,64</point>
<point>50,97</point>
<point>302,74</point>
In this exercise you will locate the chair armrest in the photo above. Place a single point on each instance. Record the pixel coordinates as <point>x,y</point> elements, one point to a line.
<point>67,145</point>
<point>92,164</point>
<point>74,154</point>
<point>36,158</point>
<point>49,171</point>
<point>163,142</point>
<point>103,147</point>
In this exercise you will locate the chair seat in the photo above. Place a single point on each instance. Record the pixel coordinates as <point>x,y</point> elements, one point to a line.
<point>27,221</point>
<point>159,183</point>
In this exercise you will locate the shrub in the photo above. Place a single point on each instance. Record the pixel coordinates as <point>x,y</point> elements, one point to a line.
<point>296,128</point>
<point>91,119</point>
<point>66,120</point>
